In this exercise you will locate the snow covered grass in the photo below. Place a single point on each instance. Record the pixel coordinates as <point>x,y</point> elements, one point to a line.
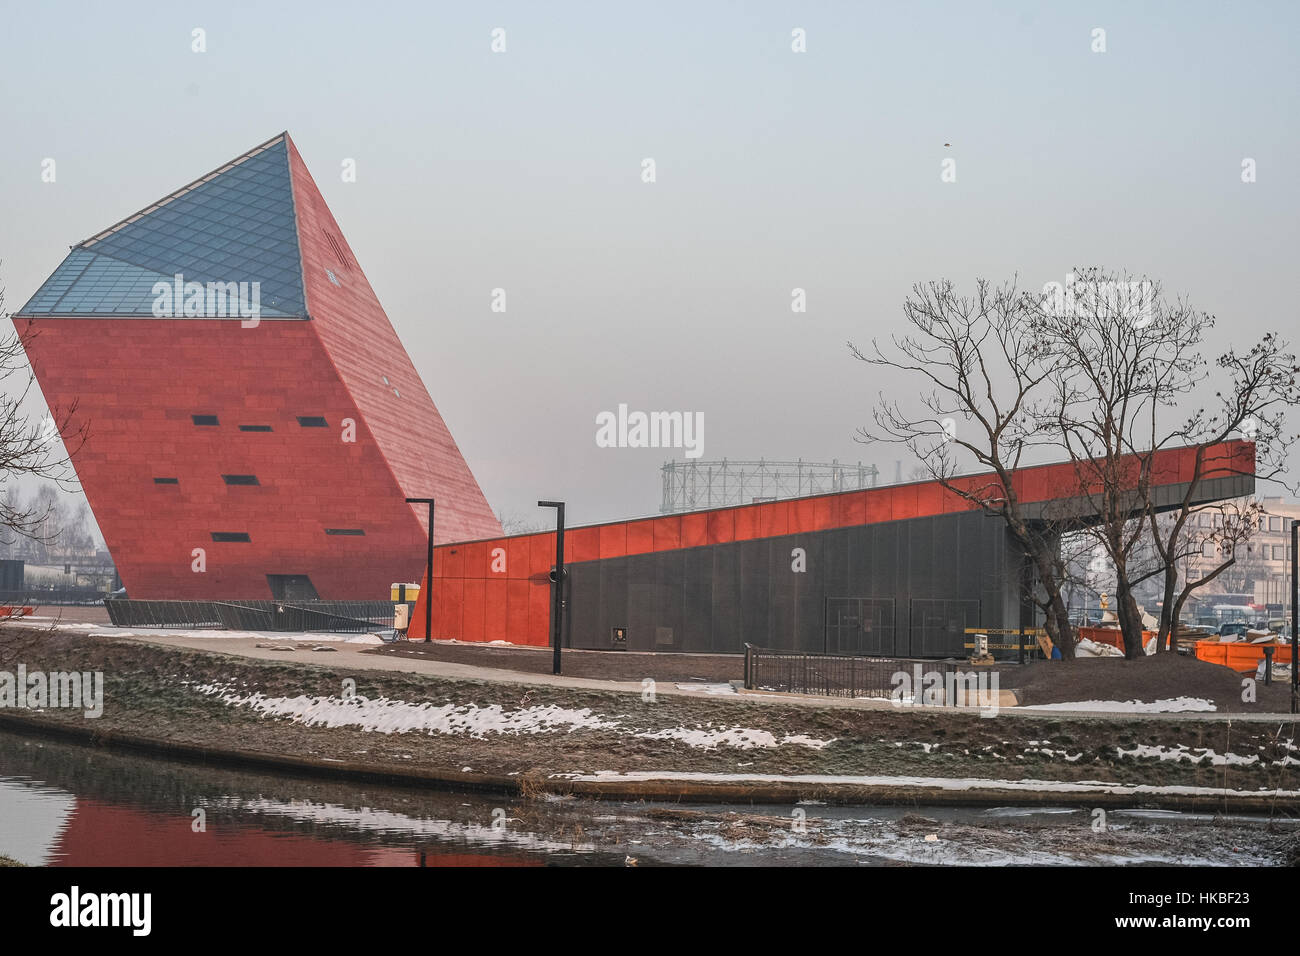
<point>1198,754</point>
<point>383,715</point>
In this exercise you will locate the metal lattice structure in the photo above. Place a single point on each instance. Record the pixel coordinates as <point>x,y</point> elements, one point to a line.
<point>691,484</point>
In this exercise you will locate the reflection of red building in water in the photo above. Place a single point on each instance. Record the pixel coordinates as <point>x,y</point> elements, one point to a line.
<point>101,834</point>
<point>235,435</point>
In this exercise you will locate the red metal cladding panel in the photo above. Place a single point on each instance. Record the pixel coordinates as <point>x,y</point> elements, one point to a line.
<point>906,503</point>
<point>1032,484</point>
<point>722,526</point>
<point>454,561</point>
<point>876,506</point>
<point>475,597</point>
<point>450,596</point>
<point>613,540</point>
<point>517,557</point>
<point>1164,470</point>
<point>668,533</point>
<point>860,507</point>
<point>774,519</point>
<point>495,626</point>
<point>582,544</point>
<point>640,537</point>
<point>539,611</point>
<point>695,530</point>
<point>746,523</point>
<point>541,550</point>
<point>477,557</point>
<point>517,613</point>
<point>395,408</point>
<point>929,499</point>
<point>822,511</point>
<point>803,515</point>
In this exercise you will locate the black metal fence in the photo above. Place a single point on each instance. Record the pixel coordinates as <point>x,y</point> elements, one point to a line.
<point>61,596</point>
<point>833,675</point>
<point>338,617</point>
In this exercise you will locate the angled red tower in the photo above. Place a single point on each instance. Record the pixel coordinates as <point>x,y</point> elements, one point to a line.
<point>253,422</point>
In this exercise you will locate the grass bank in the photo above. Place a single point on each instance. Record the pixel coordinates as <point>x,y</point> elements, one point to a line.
<point>317,718</point>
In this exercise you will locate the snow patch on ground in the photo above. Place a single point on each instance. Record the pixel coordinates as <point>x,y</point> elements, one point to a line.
<point>707,688</point>
<point>1196,755</point>
<point>383,715</point>
<point>387,716</point>
<point>945,783</point>
<point>1173,705</point>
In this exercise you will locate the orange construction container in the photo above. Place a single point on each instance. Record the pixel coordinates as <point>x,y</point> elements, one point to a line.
<point>1241,656</point>
<point>1111,635</point>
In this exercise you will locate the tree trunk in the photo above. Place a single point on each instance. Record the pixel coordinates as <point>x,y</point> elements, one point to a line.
<point>1169,613</point>
<point>1130,621</point>
<point>1057,623</point>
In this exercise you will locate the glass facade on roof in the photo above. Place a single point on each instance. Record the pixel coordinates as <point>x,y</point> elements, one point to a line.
<point>237,227</point>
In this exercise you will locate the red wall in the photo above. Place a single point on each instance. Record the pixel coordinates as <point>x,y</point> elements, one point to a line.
<point>474,603</point>
<point>136,398</point>
<point>364,349</point>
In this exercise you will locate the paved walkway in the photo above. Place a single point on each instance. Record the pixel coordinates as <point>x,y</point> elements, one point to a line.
<point>352,655</point>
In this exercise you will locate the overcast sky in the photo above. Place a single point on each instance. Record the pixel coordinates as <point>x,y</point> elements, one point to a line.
<point>774,170</point>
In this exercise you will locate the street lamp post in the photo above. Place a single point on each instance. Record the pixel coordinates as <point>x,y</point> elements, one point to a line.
<point>557,595</point>
<point>428,571</point>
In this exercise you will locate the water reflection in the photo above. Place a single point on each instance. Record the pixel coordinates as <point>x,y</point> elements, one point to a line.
<point>68,805</point>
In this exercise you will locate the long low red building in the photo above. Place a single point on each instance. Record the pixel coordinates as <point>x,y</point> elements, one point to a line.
<point>900,569</point>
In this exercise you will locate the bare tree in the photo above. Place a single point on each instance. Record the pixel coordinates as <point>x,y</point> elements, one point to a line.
<point>512,522</point>
<point>1119,371</point>
<point>1132,370</point>
<point>29,446</point>
<point>979,371</point>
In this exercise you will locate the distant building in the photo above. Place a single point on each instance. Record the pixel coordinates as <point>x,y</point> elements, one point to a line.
<point>1262,572</point>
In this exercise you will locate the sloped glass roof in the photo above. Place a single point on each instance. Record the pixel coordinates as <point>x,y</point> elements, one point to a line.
<point>234,225</point>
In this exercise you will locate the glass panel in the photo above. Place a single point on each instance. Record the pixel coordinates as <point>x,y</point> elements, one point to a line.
<point>237,227</point>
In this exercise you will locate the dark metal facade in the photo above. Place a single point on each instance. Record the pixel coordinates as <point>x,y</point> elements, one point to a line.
<point>897,589</point>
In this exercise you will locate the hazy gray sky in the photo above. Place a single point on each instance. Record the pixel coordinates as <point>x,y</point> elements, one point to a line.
<point>774,170</point>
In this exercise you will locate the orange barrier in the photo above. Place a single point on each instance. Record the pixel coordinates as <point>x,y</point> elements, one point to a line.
<point>13,610</point>
<point>1241,656</point>
<point>1110,635</point>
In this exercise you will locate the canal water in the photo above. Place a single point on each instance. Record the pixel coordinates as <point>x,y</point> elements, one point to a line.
<point>64,804</point>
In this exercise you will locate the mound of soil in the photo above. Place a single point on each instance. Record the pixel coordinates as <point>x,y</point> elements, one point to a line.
<point>1147,679</point>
